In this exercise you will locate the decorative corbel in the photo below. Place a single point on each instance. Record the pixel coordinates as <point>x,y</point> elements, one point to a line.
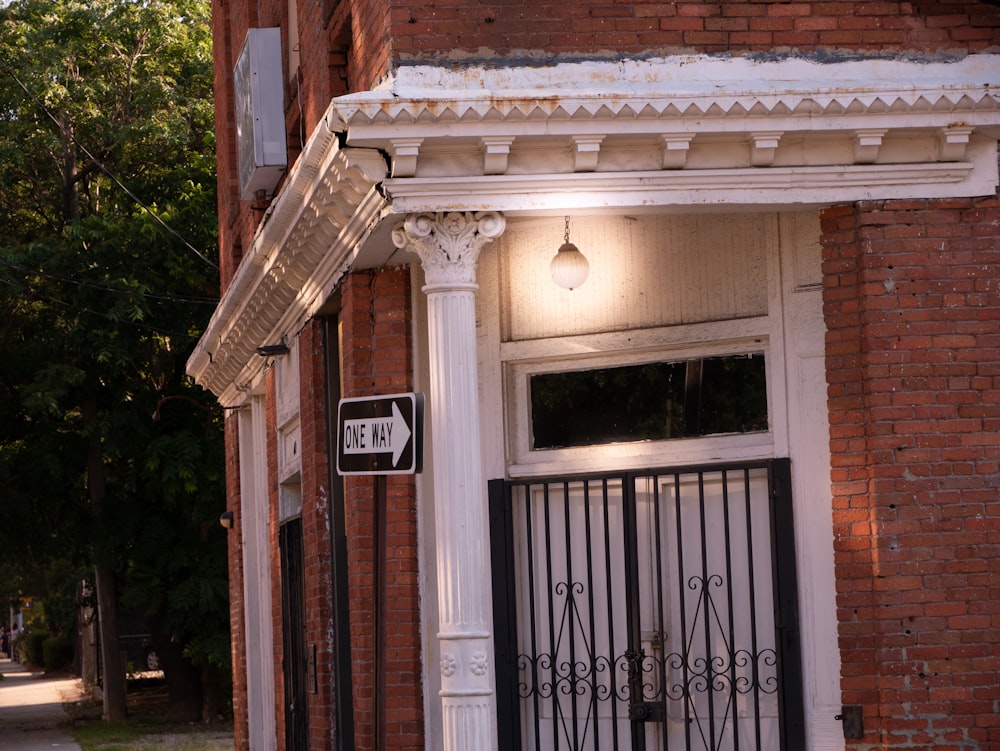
<point>675,149</point>
<point>867,142</point>
<point>496,149</point>
<point>404,156</point>
<point>954,142</point>
<point>763,145</point>
<point>586,151</point>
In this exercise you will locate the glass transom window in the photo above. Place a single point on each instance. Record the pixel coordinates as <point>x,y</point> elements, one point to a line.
<point>649,402</point>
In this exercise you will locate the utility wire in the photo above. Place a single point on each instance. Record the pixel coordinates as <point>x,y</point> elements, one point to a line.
<point>34,295</point>
<point>105,170</point>
<point>105,288</point>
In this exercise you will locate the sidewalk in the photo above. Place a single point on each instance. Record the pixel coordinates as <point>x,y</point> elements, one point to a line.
<point>32,717</point>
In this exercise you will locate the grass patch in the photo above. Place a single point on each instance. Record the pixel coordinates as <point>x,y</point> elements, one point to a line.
<point>149,726</point>
<point>100,735</point>
<point>198,741</point>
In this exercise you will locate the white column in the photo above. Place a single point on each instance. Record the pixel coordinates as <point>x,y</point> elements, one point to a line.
<point>448,245</point>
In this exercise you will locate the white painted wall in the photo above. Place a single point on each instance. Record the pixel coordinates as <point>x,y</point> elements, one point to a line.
<point>645,272</point>
<point>664,285</point>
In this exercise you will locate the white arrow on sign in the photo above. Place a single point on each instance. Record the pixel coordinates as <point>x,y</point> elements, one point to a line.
<point>377,435</point>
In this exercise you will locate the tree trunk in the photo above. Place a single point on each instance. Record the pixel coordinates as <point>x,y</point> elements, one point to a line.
<point>112,666</point>
<point>209,696</point>
<point>184,685</point>
<point>71,186</point>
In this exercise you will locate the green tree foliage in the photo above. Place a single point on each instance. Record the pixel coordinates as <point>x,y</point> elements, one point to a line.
<point>107,216</point>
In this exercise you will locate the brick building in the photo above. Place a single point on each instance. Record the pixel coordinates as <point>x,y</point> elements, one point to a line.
<point>734,484</point>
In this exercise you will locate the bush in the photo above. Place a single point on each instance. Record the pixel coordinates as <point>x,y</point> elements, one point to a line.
<point>35,641</point>
<point>57,652</point>
<point>28,647</point>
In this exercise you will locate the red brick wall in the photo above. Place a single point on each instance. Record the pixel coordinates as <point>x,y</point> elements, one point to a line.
<point>225,139</point>
<point>352,45</point>
<point>911,299</point>
<point>334,59</point>
<point>237,615</point>
<point>316,539</point>
<point>422,30</point>
<point>378,357</point>
<point>316,531</point>
<point>912,304</point>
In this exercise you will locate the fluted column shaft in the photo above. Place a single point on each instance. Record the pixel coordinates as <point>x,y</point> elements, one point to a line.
<point>448,245</point>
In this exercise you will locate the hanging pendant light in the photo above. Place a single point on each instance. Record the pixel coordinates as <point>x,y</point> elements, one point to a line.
<point>569,267</point>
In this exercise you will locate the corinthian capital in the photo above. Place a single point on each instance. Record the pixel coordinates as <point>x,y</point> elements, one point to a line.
<point>448,243</point>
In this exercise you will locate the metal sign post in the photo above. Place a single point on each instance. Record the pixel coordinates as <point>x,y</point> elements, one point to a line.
<point>380,435</point>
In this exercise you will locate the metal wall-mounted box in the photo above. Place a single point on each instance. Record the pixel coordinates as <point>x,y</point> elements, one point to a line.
<point>260,114</point>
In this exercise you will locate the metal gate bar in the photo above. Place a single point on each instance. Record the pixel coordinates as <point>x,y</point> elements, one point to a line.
<point>647,610</point>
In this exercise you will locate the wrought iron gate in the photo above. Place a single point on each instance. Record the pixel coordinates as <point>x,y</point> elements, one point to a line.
<point>647,610</point>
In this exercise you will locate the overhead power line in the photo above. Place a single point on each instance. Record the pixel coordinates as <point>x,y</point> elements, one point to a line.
<point>35,295</point>
<point>194,300</point>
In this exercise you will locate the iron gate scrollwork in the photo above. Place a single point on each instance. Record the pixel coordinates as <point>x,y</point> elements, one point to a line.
<point>647,610</point>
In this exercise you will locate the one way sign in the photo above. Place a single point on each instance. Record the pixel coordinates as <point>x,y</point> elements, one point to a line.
<point>380,435</point>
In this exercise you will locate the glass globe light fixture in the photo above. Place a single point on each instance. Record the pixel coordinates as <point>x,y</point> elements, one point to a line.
<point>569,267</point>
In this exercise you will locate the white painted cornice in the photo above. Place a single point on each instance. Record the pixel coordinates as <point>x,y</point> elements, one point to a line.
<point>682,88</point>
<point>308,237</point>
<point>880,124</point>
<point>653,113</point>
<point>659,134</point>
